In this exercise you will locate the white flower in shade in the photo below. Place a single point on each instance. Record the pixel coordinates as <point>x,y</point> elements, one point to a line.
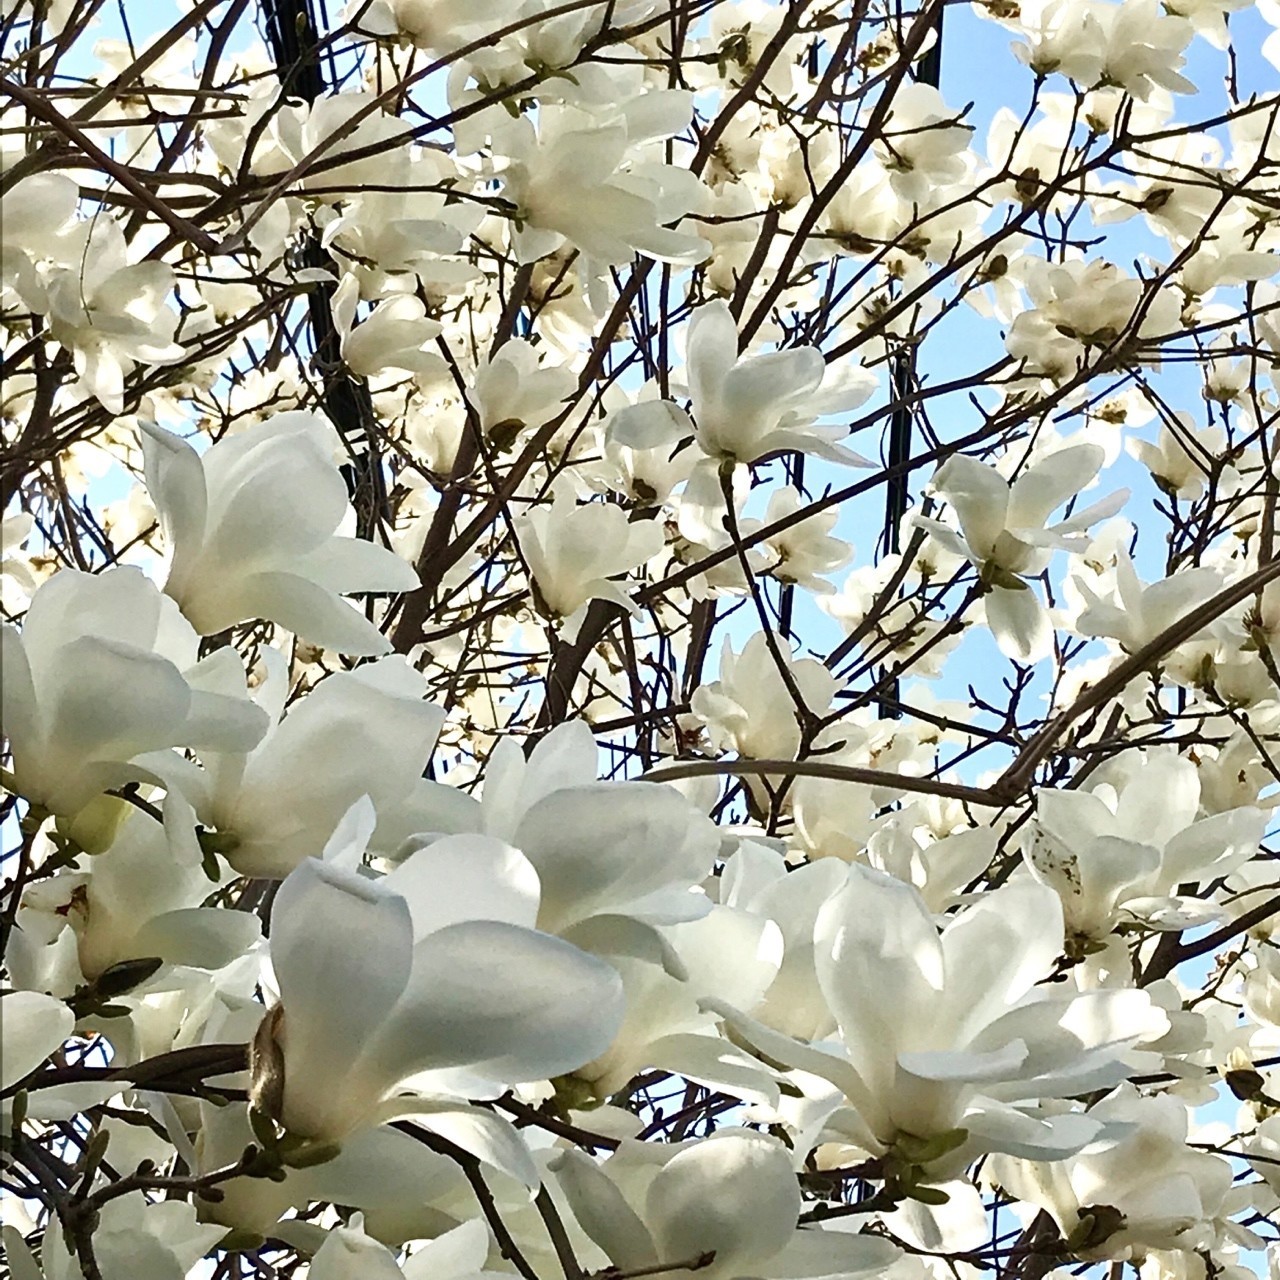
<point>251,525</point>
<point>616,861</point>
<point>757,879</point>
<point>349,1254</point>
<point>923,143</point>
<point>1121,854</point>
<point>750,708</point>
<point>513,390</point>
<point>362,732</point>
<point>1127,1194</point>
<point>574,550</point>
<point>579,177</point>
<point>955,1031</point>
<point>1181,460</point>
<point>1138,612</point>
<point>393,336</point>
<point>745,408</point>
<point>376,986</point>
<point>102,679</point>
<point>32,214</point>
<point>17,583</point>
<point>111,314</point>
<point>805,551</point>
<point>142,899</point>
<point>437,25</point>
<point>1005,532</point>
<point>133,1239</point>
<point>726,1206</point>
<point>34,1026</point>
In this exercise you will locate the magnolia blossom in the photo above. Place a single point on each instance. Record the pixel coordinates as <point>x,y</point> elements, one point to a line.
<point>393,336</point>
<point>751,709</point>
<point>251,526</point>
<point>513,391</point>
<point>805,550</point>
<point>1137,613</point>
<point>732,1196</point>
<point>944,1034</point>
<point>574,550</point>
<point>34,1026</point>
<point>134,1239</point>
<point>1122,1196</point>
<point>1004,531</point>
<point>376,986</point>
<point>143,899</point>
<point>1112,854</point>
<point>101,680</point>
<point>578,177</point>
<point>111,313</point>
<point>364,732</point>
<point>745,408</point>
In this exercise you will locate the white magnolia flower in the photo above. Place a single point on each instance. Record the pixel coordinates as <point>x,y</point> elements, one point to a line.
<point>1140,1190</point>
<point>580,177</point>
<point>111,314</point>
<point>17,584</point>
<point>513,391</point>
<point>143,899</point>
<point>750,710</point>
<point>1114,855</point>
<point>33,214</point>
<point>732,1196</point>
<point>574,550</point>
<point>393,336</point>
<point>745,408</point>
<point>1180,460</point>
<point>133,1239</point>
<point>349,1254</point>
<point>376,985</point>
<point>251,525</point>
<point>955,1031</point>
<point>923,144</point>
<point>1137,613</point>
<point>362,732</point>
<point>805,551</point>
<point>615,860</point>
<point>102,679</point>
<point>1006,533</point>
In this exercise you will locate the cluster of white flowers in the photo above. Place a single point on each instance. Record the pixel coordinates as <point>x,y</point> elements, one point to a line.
<point>455,825</point>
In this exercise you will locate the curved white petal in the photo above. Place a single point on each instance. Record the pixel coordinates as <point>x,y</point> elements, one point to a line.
<point>342,949</point>
<point>34,1026</point>
<point>733,1194</point>
<point>511,1003</point>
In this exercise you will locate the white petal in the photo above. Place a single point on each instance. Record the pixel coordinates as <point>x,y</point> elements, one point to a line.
<point>880,964</point>
<point>34,1026</point>
<point>175,482</point>
<point>1041,489</point>
<point>979,495</point>
<point>466,877</point>
<point>456,1255</point>
<point>510,1003</point>
<point>309,611</point>
<point>814,1252</point>
<point>598,847</point>
<point>603,1212</point>
<point>733,1194</point>
<point>485,1134</point>
<point>1019,624</point>
<point>342,948</point>
<point>351,1255</point>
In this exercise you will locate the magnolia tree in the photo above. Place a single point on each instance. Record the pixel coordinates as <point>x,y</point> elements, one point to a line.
<point>640,641</point>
